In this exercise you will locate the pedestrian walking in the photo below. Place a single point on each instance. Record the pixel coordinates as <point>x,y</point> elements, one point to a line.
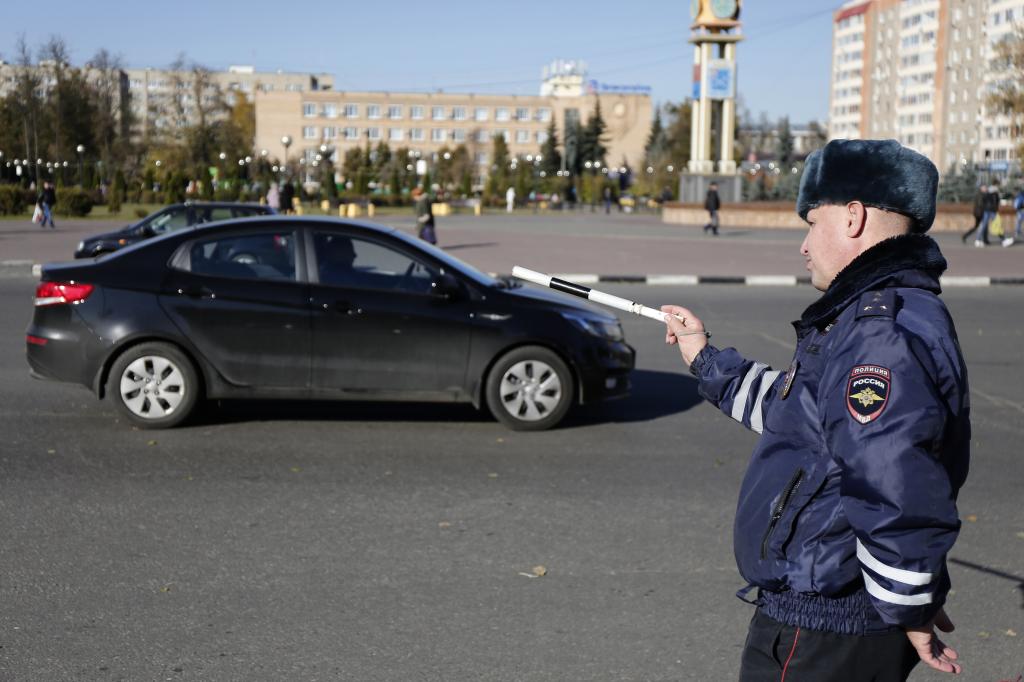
<point>424,216</point>
<point>47,200</point>
<point>510,199</point>
<point>848,509</point>
<point>274,197</point>
<point>990,208</point>
<point>712,203</point>
<point>607,197</point>
<point>1018,207</point>
<point>978,211</point>
<point>287,197</point>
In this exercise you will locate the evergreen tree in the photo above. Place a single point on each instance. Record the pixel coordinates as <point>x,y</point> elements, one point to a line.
<point>497,182</point>
<point>592,144</point>
<point>551,159</point>
<point>785,143</point>
<point>655,146</point>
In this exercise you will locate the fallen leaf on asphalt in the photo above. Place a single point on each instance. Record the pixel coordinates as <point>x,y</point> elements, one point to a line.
<point>971,517</point>
<point>492,475</point>
<point>295,470</point>
<point>984,635</point>
<point>527,575</point>
<point>1011,633</point>
<point>540,571</point>
<point>501,440</point>
<point>152,442</point>
<point>1021,535</point>
<point>165,588</point>
<point>444,524</point>
<point>51,452</point>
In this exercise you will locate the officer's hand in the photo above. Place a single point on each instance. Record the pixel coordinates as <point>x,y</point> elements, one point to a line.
<point>681,332</point>
<point>930,648</point>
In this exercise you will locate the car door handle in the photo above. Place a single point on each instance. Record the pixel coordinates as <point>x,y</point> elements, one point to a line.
<point>343,307</point>
<point>196,291</point>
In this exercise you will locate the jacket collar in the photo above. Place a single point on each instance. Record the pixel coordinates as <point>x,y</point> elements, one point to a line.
<point>912,260</point>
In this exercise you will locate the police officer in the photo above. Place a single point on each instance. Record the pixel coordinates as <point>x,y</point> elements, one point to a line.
<point>848,506</point>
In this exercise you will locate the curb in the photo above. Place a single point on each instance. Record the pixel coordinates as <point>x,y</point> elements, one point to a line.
<point>26,267</point>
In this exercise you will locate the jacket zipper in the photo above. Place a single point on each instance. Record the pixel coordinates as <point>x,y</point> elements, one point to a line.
<point>780,508</point>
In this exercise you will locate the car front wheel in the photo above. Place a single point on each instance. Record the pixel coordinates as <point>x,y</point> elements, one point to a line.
<point>154,385</point>
<point>529,389</point>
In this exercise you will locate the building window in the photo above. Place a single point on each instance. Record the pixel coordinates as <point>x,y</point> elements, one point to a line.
<point>372,111</point>
<point>309,110</point>
<point>522,114</point>
<point>542,136</point>
<point>459,113</point>
<point>438,134</point>
<point>503,132</point>
<point>522,136</point>
<point>416,113</point>
<point>458,135</point>
<point>480,114</point>
<point>416,134</point>
<point>394,112</point>
<point>351,111</point>
<point>309,132</point>
<point>351,133</point>
<point>483,136</point>
<point>544,115</point>
<point>330,132</point>
<point>437,113</point>
<point>373,133</point>
<point>396,134</point>
<point>501,114</point>
<point>480,158</point>
<point>330,111</point>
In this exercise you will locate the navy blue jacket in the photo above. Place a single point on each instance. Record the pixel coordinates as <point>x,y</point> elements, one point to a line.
<point>848,506</point>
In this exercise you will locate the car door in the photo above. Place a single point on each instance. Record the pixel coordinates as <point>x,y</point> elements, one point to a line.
<point>379,323</point>
<point>240,298</point>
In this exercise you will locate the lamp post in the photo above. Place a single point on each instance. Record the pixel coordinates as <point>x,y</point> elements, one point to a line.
<point>81,150</point>
<point>286,140</point>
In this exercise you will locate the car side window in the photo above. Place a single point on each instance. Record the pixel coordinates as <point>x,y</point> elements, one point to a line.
<point>344,260</point>
<point>245,212</point>
<point>206,214</point>
<point>175,219</point>
<point>266,255</point>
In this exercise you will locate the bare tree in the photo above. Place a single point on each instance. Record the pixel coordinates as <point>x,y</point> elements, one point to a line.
<point>1007,96</point>
<point>28,104</point>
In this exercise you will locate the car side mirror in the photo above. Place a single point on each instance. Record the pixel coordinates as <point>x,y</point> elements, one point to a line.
<point>446,286</point>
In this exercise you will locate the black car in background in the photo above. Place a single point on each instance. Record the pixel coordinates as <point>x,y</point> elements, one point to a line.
<point>169,219</point>
<point>285,307</point>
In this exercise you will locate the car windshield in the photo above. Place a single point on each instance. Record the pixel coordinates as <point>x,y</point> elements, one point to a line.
<point>451,261</point>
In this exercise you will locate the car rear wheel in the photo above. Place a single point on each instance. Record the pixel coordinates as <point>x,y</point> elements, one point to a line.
<point>154,385</point>
<point>529,389</point>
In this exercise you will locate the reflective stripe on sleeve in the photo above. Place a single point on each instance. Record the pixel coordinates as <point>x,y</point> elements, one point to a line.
<point>739,403</point>
<point>756,418</point>
<point>879,592</point>
<point>897,574</point>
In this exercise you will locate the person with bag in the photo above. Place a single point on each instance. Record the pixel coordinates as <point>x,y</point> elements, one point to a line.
<point>990,206</point>
<point>424,216</point>
<point>1018,207</point>
<point>46,201</point>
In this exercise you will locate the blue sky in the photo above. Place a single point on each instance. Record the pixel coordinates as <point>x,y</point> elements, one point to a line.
<point>455,45</point>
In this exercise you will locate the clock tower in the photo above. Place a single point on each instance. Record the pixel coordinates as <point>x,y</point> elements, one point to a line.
<point>715,30</point>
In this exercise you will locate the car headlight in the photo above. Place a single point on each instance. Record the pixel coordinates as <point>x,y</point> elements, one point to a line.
<point>596,326</point>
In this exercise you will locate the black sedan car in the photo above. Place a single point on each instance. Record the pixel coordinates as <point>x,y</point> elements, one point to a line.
<point>169,219</point>
<point>304,308</point>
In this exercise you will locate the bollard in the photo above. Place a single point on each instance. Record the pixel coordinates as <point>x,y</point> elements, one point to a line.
<point>370,209</point>
<point>477,209</point>
<point>325,206</point>
<point>298,207</point>
<point>341,210</point>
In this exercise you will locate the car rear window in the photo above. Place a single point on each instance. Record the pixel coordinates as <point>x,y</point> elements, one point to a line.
<point>267,255</point>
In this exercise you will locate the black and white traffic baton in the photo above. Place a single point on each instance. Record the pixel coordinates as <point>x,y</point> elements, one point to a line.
<point>592,295</point>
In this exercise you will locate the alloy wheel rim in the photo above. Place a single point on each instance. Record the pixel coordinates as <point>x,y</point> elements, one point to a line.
<point>152,387</point>
<point>530,390</point>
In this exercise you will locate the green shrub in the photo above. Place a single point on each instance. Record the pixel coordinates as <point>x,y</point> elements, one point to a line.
<point>12,200</point>
<point>73,202</point>
<point>141,213</point>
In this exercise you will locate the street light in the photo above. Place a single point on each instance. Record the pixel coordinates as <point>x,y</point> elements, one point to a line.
<point>81,150</point>
<point>287,142</point>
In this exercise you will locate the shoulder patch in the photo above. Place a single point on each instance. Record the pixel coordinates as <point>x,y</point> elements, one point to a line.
<point>880,303</point>
<point>867,392</point>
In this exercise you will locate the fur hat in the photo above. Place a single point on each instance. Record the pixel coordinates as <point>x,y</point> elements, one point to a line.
<point>879,173</point>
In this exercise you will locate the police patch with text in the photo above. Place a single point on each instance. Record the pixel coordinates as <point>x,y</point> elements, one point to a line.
<point>867,392</point>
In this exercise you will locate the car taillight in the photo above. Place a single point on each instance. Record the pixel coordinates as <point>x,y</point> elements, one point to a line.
<point>56,293</point>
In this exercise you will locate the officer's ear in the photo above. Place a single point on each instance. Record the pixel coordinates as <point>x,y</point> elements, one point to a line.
<point>855,215</point>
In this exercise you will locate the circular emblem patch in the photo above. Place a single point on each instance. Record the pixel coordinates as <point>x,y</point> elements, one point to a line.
<point>867,392</point>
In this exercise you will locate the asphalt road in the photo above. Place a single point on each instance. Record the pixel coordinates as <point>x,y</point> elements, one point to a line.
<point>366,542</point>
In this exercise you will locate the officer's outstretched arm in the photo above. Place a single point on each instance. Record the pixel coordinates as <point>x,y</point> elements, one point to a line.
<point>885,423</point>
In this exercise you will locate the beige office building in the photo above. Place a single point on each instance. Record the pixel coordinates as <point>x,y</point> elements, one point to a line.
<point>428,122</point>
<point>917,71</point>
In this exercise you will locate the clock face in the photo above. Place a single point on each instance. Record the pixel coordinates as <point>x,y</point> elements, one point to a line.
<point>723,9</point>
<point>694,8</point>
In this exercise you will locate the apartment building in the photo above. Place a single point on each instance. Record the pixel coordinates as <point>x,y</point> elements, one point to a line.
<point>920,71</point>
<point>427,122</point>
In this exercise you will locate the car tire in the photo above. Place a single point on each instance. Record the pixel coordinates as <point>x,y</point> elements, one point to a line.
<point>154,385</point>
<point>529,389</point>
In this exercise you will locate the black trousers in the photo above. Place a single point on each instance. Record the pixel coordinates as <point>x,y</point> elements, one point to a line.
<point>781,653</point>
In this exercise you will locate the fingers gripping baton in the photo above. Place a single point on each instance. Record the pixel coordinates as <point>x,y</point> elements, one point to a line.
<point>590,294</point>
